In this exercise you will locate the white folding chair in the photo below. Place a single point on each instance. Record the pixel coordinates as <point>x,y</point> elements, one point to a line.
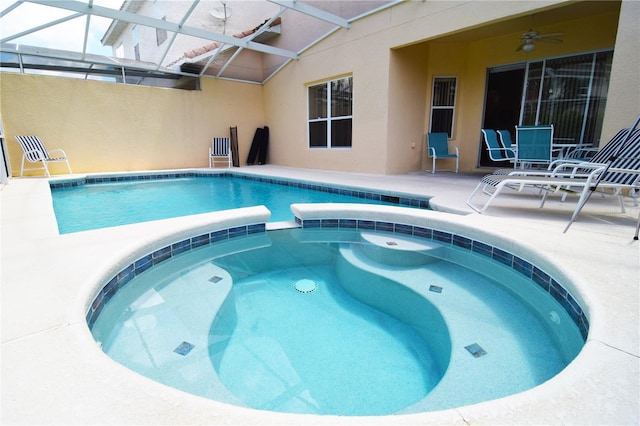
<point>220,152</point>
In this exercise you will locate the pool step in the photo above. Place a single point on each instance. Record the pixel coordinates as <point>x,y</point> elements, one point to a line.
<point>393,250</point>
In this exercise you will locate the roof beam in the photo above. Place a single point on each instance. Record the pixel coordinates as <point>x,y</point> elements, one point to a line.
<point>313,12</point>
<point>133,18</point>
<point>86,32</point>
<point>175,35</point>
<point>259,31</point>
<point>10,8</point>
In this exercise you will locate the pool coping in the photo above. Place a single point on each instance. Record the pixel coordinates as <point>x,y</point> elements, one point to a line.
<point>104,392</point>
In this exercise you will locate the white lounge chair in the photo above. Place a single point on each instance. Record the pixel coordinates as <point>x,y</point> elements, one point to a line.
<point>34,151</point>
<point>220,152</point>
<point>622,171</point>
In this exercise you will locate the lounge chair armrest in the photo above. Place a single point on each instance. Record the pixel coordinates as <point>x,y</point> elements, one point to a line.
<point>573,168</point>
<point>583,153</point>
<point>563,161</point>
<point>64,154</point>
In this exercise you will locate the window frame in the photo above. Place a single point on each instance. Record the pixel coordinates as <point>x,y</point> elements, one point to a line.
<point>452,107</point>
<point>136,45</point>
<point>161,34</point>
<point>327,116</point>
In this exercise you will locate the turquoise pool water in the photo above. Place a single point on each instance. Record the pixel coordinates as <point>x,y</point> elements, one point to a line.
<point>104,204</point>
<point>338,322</point>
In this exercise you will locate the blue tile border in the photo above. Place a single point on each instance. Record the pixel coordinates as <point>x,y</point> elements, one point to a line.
<point>541,278</point>
<point>401,200</point>
<point>140,265</point>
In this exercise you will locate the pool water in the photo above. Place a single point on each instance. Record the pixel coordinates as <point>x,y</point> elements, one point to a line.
<point>321,352</point>
<point>101,205</point>
<point>344,323</point>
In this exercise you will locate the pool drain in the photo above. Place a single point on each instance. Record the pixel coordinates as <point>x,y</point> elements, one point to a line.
<point>305,285</point>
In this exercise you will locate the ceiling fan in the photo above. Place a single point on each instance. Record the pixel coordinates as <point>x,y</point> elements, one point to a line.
<point>530,36</point>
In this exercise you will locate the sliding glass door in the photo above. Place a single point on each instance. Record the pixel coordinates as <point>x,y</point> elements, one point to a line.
<point>570,93</point>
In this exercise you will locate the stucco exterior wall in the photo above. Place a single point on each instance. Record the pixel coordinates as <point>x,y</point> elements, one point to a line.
<point>407,108</point>
<point>393,56</point>
<point>623,105</point>
<point>115,127</point>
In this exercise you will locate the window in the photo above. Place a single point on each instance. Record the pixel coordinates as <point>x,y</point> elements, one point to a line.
<point>330,127</point>
<point>161,35</point>
<point>443,105</point>
<point>136,46</point>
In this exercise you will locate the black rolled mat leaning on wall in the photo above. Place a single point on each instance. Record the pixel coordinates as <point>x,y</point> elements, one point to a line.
<point>259,147</point>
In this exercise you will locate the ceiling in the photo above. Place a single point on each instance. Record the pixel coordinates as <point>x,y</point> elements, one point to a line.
<point>545,17</point>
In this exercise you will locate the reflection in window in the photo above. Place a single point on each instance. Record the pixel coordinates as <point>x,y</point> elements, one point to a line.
<point>443,105</point>
<point>136,45</point>
<point>161,35</point>
<point>330,127</point>
<point>570,93</point>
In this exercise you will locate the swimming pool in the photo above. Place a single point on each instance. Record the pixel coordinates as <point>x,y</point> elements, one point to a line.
<point>104,201</point>
<point>478,353</point>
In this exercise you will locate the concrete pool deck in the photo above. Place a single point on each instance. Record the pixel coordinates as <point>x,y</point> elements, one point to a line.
<point>52,372</point>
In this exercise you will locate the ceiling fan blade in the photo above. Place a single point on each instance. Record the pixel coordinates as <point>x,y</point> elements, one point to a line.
<point>550,40</point>
<point>547,35</point>
<point>528,38</point>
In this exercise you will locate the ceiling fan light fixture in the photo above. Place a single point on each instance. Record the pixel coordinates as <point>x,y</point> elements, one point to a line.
<point>528,46</point>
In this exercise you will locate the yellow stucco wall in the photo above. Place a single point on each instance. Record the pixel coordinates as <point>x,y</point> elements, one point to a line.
<point>115,127</point>
<point>623,105</point>
<point>407,108</point>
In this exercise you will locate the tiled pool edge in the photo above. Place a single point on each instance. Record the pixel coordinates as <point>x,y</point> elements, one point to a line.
<point>367,194</point>
<point>522,266</point>
<point>140,265</point>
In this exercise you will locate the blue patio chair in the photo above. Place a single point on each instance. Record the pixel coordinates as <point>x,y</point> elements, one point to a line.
<point>534,145</point>
<point>496,151</point>
<point>438,148</point>
<point>505,140</point>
